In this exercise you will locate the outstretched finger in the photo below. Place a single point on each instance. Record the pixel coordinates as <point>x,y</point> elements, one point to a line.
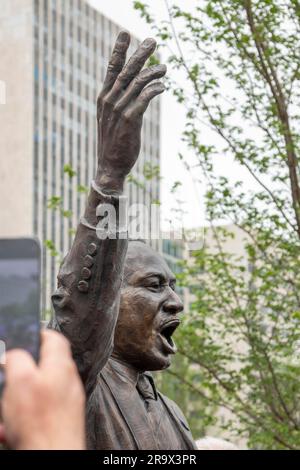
<point>142,102</point>
<point>132,68</point>
<point>136,86</point>
<point>117,61</point>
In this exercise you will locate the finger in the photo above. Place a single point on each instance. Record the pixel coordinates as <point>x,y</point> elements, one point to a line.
<point>55,349</point>
<point>2,434</point>
<point>143,100</point>
<point>117,61</point>
<point>19,365</point>
<point>136,86</point>
<point>132,68</point>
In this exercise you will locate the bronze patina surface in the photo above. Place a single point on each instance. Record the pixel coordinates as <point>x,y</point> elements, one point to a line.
<point>116,301</point>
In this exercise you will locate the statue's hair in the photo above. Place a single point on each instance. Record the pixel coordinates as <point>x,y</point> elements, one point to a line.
<point>132,240</point>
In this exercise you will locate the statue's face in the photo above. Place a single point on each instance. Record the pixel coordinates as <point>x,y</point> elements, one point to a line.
<point>149,311</point>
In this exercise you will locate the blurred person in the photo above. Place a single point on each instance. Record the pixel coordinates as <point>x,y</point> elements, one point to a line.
<point>43,405</point>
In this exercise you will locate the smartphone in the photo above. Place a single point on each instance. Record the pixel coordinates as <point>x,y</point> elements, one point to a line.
<point>20,273</point>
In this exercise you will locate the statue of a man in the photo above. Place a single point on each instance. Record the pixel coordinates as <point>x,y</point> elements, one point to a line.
<point>118,308</point>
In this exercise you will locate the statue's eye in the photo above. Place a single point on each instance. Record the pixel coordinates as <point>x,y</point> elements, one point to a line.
<point>155,285</point>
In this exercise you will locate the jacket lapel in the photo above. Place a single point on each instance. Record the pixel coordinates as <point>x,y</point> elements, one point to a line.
<point>179,421</point>
<point>130,408</point>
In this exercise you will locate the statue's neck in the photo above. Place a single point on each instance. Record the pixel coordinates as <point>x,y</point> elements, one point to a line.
<point>126,367</point>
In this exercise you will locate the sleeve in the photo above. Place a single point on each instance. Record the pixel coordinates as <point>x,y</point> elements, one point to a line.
<point>86,302</point>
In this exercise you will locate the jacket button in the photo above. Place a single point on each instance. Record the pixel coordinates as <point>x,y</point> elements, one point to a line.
<point>88,261</point>
<point>86,273</point>
<point>83,286</point>
<point>92,249</point>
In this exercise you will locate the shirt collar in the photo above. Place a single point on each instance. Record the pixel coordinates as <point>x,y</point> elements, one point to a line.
<point>142,380</point>
<point>126,371</point>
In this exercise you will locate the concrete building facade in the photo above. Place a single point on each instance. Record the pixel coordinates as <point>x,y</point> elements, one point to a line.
<point>54,55</point>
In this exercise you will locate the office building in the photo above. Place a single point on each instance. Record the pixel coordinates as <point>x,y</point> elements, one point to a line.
<point>54,54</point>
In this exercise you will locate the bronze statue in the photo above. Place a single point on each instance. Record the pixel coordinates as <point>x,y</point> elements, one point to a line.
<point>120,321</point>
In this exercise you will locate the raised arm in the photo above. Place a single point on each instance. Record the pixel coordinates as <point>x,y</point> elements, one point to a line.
<point>86,301</point>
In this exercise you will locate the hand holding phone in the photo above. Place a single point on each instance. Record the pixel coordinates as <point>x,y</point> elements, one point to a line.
<point>43,404</point>
<point>19,297</point>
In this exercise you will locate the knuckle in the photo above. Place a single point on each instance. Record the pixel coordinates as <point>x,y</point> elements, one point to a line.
<point>154,69</point>
<point>127,115</point>
<point>118,108</point>
<point>121,77</point>
<point>144,97</point>
<point>139,81</point>
<point>120,48</point>
<point>106,100</point>
<point>144,73</point>
<point>113,64</point>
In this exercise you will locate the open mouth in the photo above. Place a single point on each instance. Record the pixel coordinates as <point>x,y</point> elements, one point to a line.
<point>166,333</point>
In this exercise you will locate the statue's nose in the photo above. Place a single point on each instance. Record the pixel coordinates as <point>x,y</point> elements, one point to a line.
<point>173,304</point>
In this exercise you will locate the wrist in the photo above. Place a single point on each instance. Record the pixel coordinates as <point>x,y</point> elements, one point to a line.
<point>110,184</point>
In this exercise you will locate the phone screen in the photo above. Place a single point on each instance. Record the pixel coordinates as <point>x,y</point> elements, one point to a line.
<point>19,295</point>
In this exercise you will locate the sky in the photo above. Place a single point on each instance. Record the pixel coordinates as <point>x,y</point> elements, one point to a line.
<point>172,120</point>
